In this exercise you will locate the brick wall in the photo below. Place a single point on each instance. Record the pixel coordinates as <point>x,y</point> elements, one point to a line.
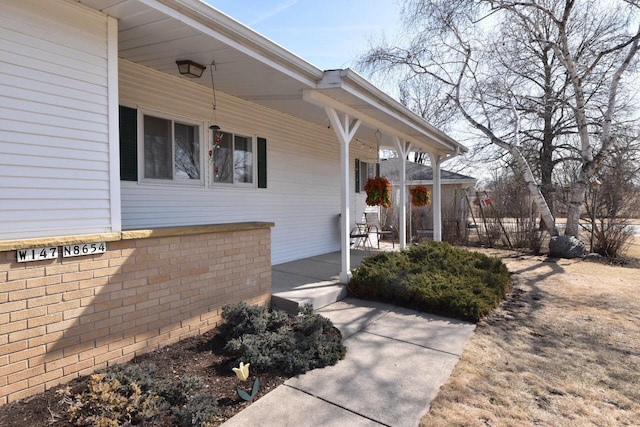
<point>67,317</point>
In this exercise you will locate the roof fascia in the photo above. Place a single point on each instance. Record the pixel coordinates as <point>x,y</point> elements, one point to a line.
<point>322,100</point>
<point>359,87</point>
<point>442,181</point>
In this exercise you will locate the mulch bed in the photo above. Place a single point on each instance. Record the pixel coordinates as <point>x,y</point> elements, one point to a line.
<point>201,355</point>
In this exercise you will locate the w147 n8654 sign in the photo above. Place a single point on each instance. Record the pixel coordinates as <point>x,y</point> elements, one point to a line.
<point>52,252</point>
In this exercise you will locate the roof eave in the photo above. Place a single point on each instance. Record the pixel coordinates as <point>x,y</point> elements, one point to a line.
<point>349,79</point>
<point>223,23</point>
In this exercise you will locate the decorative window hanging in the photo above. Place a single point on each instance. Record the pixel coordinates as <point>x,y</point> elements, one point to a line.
<point>378,192</point>
<point>420,196</point>
<point>215,143</point>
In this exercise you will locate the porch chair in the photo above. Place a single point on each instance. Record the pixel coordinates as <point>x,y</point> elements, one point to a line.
<point>373,224</point>
<point>360,236</point>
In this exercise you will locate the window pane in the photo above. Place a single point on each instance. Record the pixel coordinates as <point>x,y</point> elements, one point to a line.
<point>187,152</point>
<point>157,148</point>
<point>363,174</point>
<point>371,170</point>
<point>243,159</point>
<point>222,159</point>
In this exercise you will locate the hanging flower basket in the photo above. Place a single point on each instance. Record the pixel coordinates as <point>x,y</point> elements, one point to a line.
<point>378,192</point>
<point>420,196</point>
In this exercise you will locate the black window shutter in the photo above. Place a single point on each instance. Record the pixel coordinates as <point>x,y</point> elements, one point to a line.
<point>128,144</point>
<point>262,163</point>
<point>357,180</point>
<point>377,169</point>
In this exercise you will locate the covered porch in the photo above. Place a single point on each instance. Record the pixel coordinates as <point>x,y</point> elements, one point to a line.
<point>315,280</point>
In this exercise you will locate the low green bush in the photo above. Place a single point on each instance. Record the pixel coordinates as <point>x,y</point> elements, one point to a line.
<point>434,277</point>
<point>130,394</point>
<point>271,341</point>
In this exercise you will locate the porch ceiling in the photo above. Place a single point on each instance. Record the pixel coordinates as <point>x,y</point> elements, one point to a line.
<point>156,33</point>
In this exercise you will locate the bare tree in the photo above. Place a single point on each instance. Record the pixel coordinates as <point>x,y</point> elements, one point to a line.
<point>538,78</point>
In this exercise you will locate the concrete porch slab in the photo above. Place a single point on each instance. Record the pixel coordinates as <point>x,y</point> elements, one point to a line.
<point>309,268</point>
<point>318,294</point>
<point>314,280</point>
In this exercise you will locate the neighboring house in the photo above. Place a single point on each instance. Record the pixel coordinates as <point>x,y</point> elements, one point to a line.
<point>454,201</point>
<point>136,201</point>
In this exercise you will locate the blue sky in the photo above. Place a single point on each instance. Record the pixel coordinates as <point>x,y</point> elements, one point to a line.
<point>327,33</point>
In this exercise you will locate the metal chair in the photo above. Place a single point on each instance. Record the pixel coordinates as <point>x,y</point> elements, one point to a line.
<point>360,236</point>
<point>373,222</point>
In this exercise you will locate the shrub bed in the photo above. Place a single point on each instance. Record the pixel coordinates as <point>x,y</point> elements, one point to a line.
<point>191,383</point>
<point>434,277</point>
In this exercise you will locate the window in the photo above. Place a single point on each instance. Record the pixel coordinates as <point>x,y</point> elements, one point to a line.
<point>171,150</point>
<point>233,158</point>
<point>364,171</point>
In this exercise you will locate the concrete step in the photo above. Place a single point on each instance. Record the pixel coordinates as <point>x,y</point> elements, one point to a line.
<point>318,294</point>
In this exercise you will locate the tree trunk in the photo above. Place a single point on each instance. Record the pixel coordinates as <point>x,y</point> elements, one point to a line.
<point>534,190</point>
<point>576,198</point>
<point>548,136</point>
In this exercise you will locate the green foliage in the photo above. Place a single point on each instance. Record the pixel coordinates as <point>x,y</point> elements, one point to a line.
<point>249,396</point>
<point>199,411</point>
<point>270,341</point>
<point>130,394</point>
<point>434,277</point>
<point>244,319</point>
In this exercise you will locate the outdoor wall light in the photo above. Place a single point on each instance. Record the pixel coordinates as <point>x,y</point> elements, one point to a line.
<point>190,68</point>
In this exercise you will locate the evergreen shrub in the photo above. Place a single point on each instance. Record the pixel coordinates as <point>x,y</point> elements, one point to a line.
<point>271,341</point>
<point>434,277</point>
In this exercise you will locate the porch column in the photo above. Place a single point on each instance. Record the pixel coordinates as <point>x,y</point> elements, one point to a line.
<point>345,129</point>
<point>436,199</point>
<point>403,148</point>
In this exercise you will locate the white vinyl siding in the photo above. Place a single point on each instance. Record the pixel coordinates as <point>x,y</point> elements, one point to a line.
<point>303,193</point>
<point>54,120</point>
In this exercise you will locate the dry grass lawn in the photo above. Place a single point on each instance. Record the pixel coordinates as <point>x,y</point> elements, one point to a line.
<point>563,350</point>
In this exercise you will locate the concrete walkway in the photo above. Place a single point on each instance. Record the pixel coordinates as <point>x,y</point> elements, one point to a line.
<point>396,361</point>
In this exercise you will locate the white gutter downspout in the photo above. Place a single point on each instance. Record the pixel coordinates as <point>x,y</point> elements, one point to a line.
<point>436,202</point>
<point>403,148</point>
<point>345,132</point>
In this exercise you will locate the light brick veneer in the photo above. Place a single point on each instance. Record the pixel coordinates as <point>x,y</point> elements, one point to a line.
<point>67,317</point>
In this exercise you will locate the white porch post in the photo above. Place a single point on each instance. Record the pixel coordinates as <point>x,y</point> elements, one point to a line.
<point>403,148</point>
<point>436,202</point>
<point>345,131</point>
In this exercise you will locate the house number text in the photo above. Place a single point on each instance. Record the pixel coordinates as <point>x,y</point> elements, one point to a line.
<point>37,254</point>
<point>86,249</point>
<point>52,252</point>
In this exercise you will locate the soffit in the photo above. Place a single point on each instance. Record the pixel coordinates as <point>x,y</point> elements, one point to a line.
<point>156,33</point>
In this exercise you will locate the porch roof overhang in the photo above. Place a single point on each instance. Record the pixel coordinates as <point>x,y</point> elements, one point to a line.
<point>156,33</point>
<point>349,92</point>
